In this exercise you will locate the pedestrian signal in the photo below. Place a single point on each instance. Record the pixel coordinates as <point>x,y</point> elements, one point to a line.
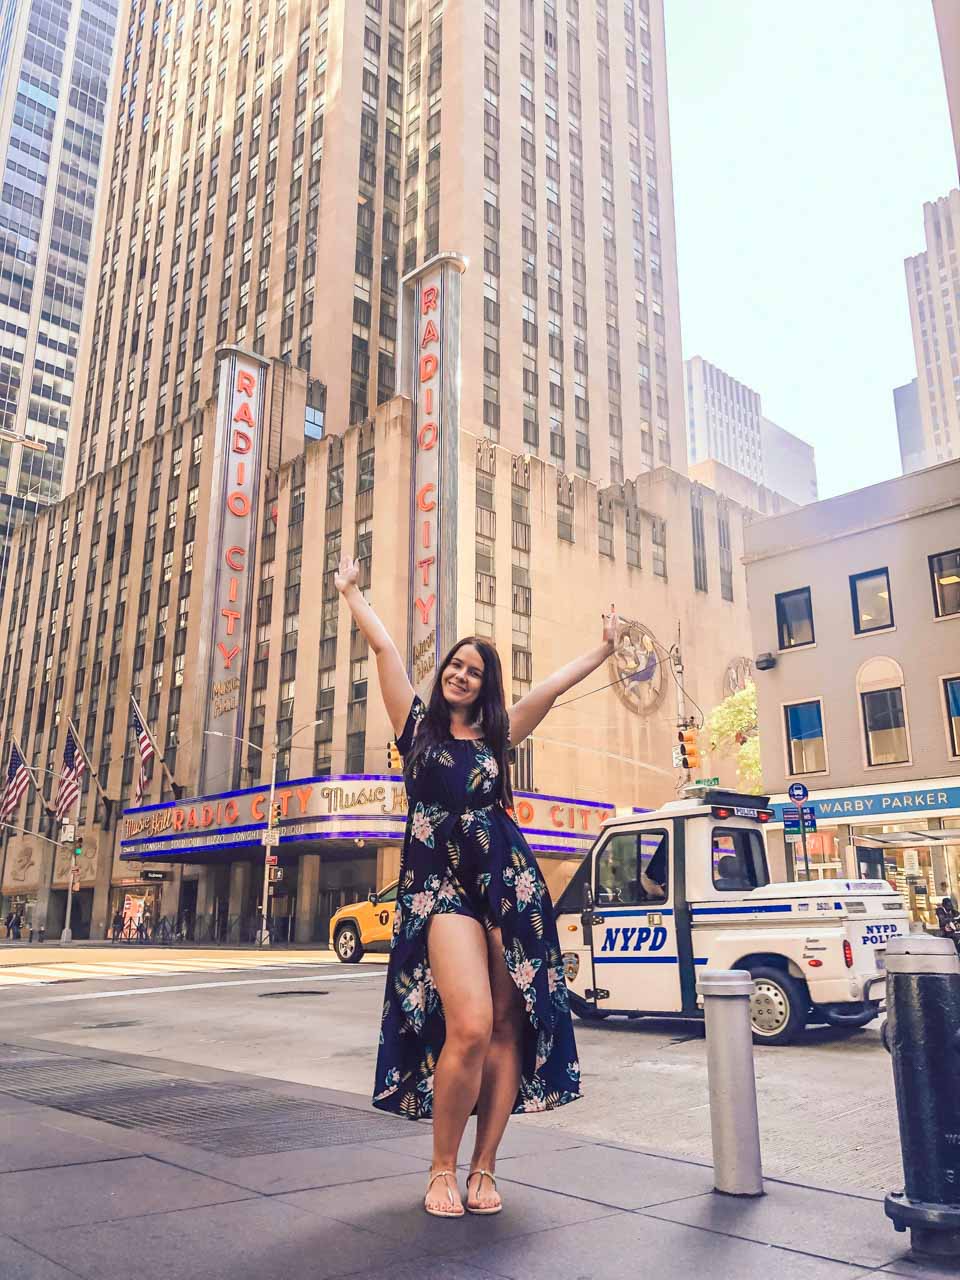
<point>275,815</point>
<point>689,751</point>
<point>394,758</point>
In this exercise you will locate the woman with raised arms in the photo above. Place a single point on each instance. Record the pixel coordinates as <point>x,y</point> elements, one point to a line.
<point>476,1015</point>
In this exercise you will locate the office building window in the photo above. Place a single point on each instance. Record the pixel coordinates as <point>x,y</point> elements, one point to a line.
<point>806,745</point>
<point>945,580</point>
<point>885,727</point>
<point>870,597</point>
<point>951,695</point>
<point>795,618</point>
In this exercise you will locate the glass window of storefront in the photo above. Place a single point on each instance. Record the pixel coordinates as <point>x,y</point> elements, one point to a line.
<point>921,873</point>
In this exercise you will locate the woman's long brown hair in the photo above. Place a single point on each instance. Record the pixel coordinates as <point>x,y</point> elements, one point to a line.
<point>490,710</point>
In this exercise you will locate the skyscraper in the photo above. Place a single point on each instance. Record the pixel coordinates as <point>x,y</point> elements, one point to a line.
<point>55,63</point>
<point>725,424</point>
<point>933,288</point>
<point>906,404</point>
<point>273,175</point>
<point>947,14</point>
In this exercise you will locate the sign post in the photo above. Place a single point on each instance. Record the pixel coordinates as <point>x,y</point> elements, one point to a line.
<point>430,372</point>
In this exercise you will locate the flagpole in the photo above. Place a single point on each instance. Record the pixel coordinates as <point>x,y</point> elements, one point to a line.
<point>153,742</point>
<point>93,773</point>
<point>50,808</point>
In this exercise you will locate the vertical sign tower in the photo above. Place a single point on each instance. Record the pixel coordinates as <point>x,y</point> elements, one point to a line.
<point>232,527</point>
<point>430,364</point>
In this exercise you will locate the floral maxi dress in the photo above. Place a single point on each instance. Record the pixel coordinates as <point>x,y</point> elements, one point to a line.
<point>463,853</point>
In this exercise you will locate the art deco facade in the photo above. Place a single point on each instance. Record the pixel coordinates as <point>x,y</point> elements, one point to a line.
<point>726,426</point>
<point>947,14</point>
<point>933,290</point>
<point>55,65</point>
<point>106,596</point>
<point>277,169</point>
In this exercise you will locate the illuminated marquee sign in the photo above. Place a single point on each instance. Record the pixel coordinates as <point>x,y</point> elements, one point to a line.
<point>231,543</point>
<point>432,373</point>
<point>334,809</point>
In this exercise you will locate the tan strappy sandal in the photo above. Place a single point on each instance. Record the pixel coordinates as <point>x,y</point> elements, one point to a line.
<point>443,1213</point>
<point>482,1173</point>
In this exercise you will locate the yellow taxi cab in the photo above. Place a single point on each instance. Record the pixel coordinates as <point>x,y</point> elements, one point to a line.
<point>363,926</point>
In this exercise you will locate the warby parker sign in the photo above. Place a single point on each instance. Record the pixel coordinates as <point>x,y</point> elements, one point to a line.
<point>228,582</point>
<point>432,330</point>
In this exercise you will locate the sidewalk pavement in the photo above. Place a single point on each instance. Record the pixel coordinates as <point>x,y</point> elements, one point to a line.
<point>114,1166</point>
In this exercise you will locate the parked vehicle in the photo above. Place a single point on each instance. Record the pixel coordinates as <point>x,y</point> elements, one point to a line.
<point>665,893</point>
<point>364,926</point>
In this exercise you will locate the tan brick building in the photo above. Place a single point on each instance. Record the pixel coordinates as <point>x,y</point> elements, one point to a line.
<point>855,608</point>
<point>107,596</point>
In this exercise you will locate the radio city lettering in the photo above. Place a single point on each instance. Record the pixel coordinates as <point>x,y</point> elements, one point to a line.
<point>240,480</point>
<point>635,938</point>
<point>426,527</point>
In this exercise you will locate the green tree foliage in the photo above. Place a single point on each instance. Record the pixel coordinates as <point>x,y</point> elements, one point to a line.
<point>732,726</point>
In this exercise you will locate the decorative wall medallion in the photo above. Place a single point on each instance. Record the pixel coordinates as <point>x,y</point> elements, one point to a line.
<point>738,675</point>
<point>638,669</point>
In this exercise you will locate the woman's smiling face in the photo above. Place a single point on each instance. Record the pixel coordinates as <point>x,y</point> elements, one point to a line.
<point>463,678</point>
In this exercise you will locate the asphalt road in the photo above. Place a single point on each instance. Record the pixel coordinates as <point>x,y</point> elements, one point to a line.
<point>827,1111</point>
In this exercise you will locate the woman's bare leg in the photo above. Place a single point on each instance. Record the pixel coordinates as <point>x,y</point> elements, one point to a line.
<point>501,1072</point>
<point>457,951</point>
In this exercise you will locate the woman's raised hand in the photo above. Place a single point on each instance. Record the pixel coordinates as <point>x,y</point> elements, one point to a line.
<point>347,575</point>
<point>611,628</point>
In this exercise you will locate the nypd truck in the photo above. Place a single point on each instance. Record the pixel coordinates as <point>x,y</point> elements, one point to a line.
<point>665,893</point>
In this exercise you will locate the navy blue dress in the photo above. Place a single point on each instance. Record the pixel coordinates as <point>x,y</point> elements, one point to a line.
<point>463,853</point>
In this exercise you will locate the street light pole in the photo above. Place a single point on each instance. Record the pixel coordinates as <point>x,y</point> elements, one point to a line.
<point>263,938</point>
<point>263,935</point>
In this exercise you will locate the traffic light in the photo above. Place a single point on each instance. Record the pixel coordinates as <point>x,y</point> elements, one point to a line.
<point>275,815</point>
<point>78,851</point>
<point>689,751</point>
<point>394,758</point>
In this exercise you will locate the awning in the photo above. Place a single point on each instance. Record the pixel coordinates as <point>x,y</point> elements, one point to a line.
<point>911,839</point>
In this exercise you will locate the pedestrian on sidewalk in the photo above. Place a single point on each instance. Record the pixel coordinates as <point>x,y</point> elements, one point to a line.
<point>476,1015</point>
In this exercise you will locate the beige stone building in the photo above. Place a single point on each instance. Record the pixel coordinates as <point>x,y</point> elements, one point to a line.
<point>947,14</point>
<point>277,169</point>
<point>275,178</point>
<point>855,609</point>
<point>108,595</point>
<point>933,289</point>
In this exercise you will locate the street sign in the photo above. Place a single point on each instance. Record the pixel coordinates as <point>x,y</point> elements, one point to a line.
<point>270,838</point>
<point>707,782</point>
<point>272,860</point>
<point>677,758</point>
<point>797,792</point>
<point>67,833</point>
<point>154,875</point>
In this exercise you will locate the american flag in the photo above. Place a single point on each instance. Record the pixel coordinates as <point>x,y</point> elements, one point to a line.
<point>18,779</point>
<point>74,763</point>
<point>146,753</point>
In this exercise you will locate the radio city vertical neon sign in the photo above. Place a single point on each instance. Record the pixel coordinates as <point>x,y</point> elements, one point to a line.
<point>228,591</point>
<point>427,501</point>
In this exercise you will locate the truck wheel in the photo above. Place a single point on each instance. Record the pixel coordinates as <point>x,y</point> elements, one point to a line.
<point>778,1007</point>
<point>347,944</point>
<point>588,1012</point>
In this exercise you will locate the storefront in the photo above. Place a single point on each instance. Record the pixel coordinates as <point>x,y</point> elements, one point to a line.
<point>339,838</point>
<point>909,835</point>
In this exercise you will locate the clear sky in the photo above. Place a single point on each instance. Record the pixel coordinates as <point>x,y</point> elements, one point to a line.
<point>806,138</point>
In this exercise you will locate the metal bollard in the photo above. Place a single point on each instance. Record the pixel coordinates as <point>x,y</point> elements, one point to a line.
<point>922,1034</point>
<point>735,1128</point>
